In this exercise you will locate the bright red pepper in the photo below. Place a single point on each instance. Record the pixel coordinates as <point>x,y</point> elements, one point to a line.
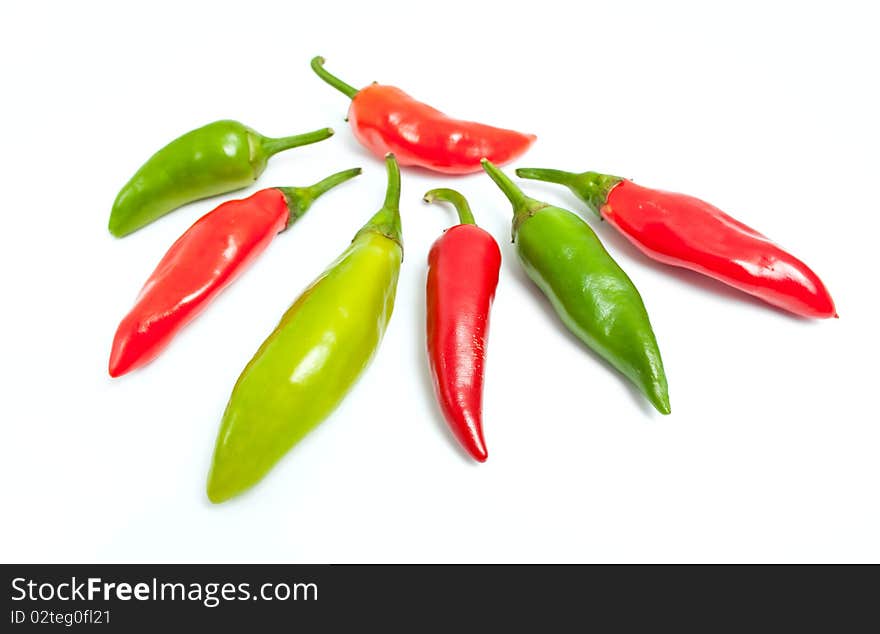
<point>386,119</point>
<point>463,270</point>
<point>688,232</point>
<point>207,258</point>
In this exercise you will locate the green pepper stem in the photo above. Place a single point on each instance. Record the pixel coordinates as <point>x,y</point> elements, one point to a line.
<point>272,146</point>
<point>299,199</point>
<point>523,206</point>
<point>333,80</point>
<point>514,194</point>
<point>465,216</point>
<point>386,221</point>
<point>392,193</point>
<point>591,187</point>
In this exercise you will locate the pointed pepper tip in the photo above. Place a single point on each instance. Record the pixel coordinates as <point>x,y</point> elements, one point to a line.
<point>662,406</point>
<point>217,494</point>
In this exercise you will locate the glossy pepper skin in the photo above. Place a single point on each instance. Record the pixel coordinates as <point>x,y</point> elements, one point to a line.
<point>323,343</point>
<point>685,231</point>
<point>206,259</point>
<point>215,159</point>
<point>386,119</point>
<point>463,267</point>
<point>592,295</point>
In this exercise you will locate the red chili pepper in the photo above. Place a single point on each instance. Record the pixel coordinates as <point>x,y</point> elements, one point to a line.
<point>463,270</point>
<point>207,258</point>
<point>386,119</point>
<point>688,232</point>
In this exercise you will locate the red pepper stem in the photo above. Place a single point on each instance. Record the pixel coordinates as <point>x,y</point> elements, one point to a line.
<point>272,146</point>
<point>523,206</point>
<point>338,84</point>
<point>299,199</point>
<point>460,203</point>
<point>386,221</point>
<point>551,176</point>
<point>591,187</point>
<point>325,185</point>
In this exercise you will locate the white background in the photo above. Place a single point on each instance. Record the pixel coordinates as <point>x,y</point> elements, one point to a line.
<point>768,110</point>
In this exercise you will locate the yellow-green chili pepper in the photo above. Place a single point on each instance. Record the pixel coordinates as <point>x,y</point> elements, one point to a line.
<point>314,356</point>
<point>592,295</point>
<point>215,159</point>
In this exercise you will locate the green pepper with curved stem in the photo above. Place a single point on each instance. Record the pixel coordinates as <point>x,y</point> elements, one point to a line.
<point>314,356</point>
<point>592,295</point>
<point>215,159</point>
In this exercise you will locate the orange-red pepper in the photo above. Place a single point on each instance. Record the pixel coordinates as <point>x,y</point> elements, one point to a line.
<point>463,270</point>
<point>386,119</point>
<point>207,258</point>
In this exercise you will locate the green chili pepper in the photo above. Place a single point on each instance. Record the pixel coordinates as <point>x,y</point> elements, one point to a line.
<point>215,159</point>
<point>313,357</point>
<point>591,294</point>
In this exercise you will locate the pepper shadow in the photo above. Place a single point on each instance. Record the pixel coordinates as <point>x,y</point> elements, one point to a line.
<point>424,372</point>
<point>616,242</point>
<point>543,303</point>
<point>352,145</point>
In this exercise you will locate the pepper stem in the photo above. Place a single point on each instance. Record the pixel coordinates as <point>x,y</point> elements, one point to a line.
<point>551,176</point>
<point>272,146</point>
<point>299,199</point>
<point>333,80</point>
<point>386,221</point>
<point>460,203</point>
<point>591,187</point>
<point>523,206</point>
<point>392,193</point>
<point>325,185</point>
